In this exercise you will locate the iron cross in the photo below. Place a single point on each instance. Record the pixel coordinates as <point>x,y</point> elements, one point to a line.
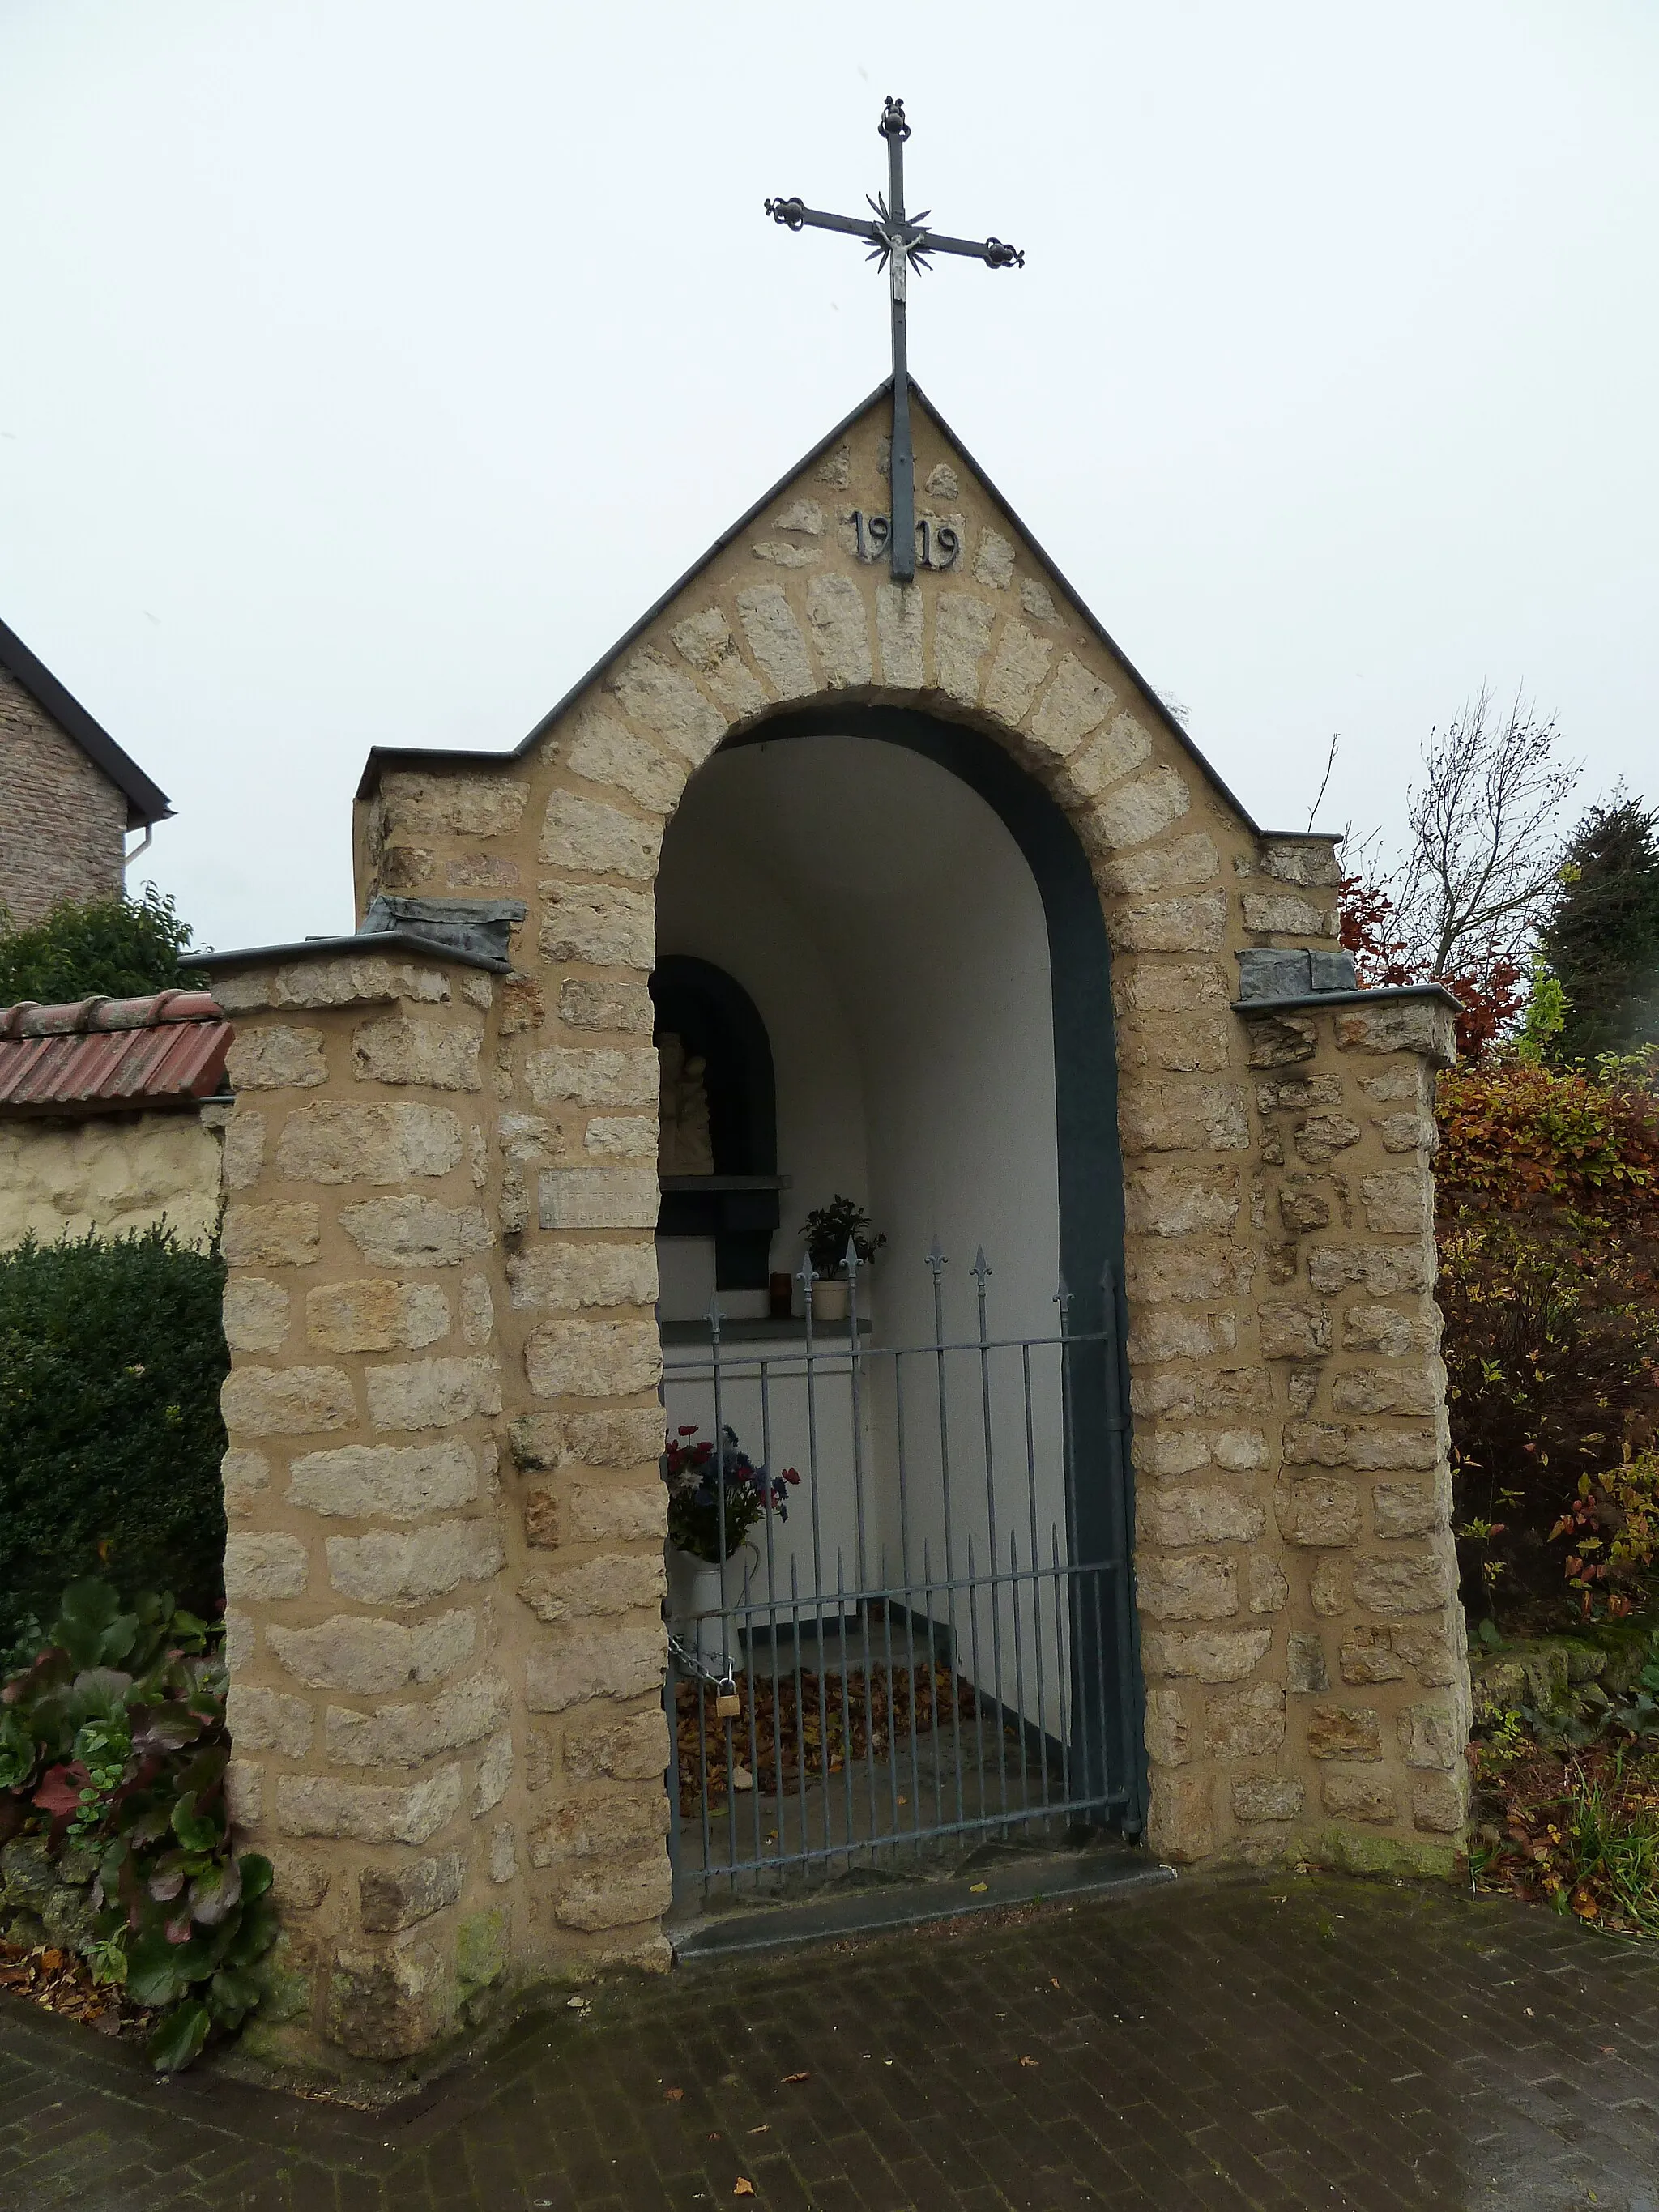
<point>898,243</point>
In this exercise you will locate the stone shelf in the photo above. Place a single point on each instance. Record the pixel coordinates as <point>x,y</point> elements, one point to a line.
<point>694,1186</point>
<point>760,1330</point>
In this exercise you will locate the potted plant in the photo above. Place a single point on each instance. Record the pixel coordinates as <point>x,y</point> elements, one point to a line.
<point>714,1499</point>
<point>829,1231</point>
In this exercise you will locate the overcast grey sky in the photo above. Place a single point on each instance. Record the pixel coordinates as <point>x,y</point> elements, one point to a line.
<point>369,365</point>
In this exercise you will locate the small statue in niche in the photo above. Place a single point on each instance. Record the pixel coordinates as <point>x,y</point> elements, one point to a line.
<point>685,1145</point>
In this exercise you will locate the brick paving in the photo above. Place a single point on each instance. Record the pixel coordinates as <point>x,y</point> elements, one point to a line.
<point>1274,2043</point>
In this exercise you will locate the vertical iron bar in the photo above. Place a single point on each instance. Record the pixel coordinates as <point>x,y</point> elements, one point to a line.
<point>861,1560</point>
<point>845,1714</point>
<point>936,1265</point>
<point>909,1611</point>
<point>807,1279</point>
<point>675,1842</point>
<point>981,1276</point>
<point>978,1687</point>
<point>719,1461</point>
<point>887,1661</point>
<point>1062,1668</point>
<point>854,1382</point>
<point>1104,1780</point>
<point>726,1670</point>
<point>1036,1565</point>
<point>932,1685</point>
<point>1019,1683</point>
<point>901,463</point>
<point>703,1781</point>
<point>771,1610</point>
<point>801,1716</point>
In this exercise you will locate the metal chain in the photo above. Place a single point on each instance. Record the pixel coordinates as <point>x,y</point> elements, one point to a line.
<point>690,1663</point>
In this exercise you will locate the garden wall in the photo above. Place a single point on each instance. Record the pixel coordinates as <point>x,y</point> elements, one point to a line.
<point>110,1173</point>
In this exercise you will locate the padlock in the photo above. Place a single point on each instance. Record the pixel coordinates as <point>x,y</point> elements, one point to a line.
<point>728,1706</point>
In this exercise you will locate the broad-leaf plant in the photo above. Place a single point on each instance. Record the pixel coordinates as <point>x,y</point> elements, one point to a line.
<point>114,1741</point>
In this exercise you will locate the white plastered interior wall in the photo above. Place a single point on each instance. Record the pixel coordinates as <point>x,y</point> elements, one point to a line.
<point>893,939</point>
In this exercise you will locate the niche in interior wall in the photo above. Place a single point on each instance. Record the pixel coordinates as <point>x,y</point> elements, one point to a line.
<point>723,1113</point>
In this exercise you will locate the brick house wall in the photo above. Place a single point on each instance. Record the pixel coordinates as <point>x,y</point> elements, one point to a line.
<point>62,822</point>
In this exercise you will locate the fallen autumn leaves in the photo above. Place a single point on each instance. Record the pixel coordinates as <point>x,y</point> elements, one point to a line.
<point>60,1981</point>
<point>804,1725</point>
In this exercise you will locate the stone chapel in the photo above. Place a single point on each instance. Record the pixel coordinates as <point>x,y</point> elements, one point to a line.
<point>1116,1478</point>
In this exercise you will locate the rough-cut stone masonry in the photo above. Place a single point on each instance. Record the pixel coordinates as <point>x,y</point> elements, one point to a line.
<point>397,1627</point>
<point>445,1556</point>
<point>62,822</point>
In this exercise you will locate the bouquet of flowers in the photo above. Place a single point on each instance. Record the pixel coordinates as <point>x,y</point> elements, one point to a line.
<point>699,1475</point>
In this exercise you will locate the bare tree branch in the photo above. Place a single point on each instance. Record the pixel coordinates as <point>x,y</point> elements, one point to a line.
<point>1325,780</point>
<point>1485,850</point>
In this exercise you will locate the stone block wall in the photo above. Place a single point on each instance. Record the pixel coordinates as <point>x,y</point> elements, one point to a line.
<point>1302,1640</point>
<point>62,822</point>
<point>449,1738</point>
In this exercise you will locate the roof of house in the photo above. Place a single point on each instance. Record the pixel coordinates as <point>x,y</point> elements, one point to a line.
<point>112,1056</point>
<point>146,801</point>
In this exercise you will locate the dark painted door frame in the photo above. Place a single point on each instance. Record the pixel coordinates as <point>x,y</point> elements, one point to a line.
<point>1090,1176</point>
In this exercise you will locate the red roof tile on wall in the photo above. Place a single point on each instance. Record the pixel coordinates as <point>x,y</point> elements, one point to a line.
<point>112,1056</point>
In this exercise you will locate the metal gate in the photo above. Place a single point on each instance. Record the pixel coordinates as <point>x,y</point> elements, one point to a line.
<point>923,1635</point>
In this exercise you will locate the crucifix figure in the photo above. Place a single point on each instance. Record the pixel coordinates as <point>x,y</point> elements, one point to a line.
<point>898,243</point>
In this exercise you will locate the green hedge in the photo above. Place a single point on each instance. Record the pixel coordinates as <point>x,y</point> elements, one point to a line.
<point>112,1353</point>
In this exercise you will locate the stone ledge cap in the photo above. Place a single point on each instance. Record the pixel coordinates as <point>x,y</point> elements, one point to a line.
<point>1385,994</point>
<point>357,947</point>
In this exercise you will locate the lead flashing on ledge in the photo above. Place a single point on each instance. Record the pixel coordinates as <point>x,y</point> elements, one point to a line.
<point>334,948</point>
<point>483,928</point>
<point>1384,995</point>
<point>1287,971</point>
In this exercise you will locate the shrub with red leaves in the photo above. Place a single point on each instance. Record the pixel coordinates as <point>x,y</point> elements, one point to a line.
<point>1547,1207</point>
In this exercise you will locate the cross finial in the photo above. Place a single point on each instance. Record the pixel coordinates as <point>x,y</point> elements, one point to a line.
<point>892,123</point>
<point>898,243</point>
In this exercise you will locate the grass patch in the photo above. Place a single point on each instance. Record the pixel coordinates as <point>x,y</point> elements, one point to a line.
<point>1578,1829</point>
<point>1566,1780</point>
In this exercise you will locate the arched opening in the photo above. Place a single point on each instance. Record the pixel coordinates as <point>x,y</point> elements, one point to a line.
<point>912,926</point>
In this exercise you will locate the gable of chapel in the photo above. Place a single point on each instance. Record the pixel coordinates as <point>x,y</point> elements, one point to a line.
<point>785,610</point>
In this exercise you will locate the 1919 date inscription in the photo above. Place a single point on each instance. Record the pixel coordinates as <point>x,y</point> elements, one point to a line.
<point>938,546</point>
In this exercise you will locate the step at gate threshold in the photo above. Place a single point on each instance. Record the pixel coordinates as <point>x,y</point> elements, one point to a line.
<point>990,1880</point>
